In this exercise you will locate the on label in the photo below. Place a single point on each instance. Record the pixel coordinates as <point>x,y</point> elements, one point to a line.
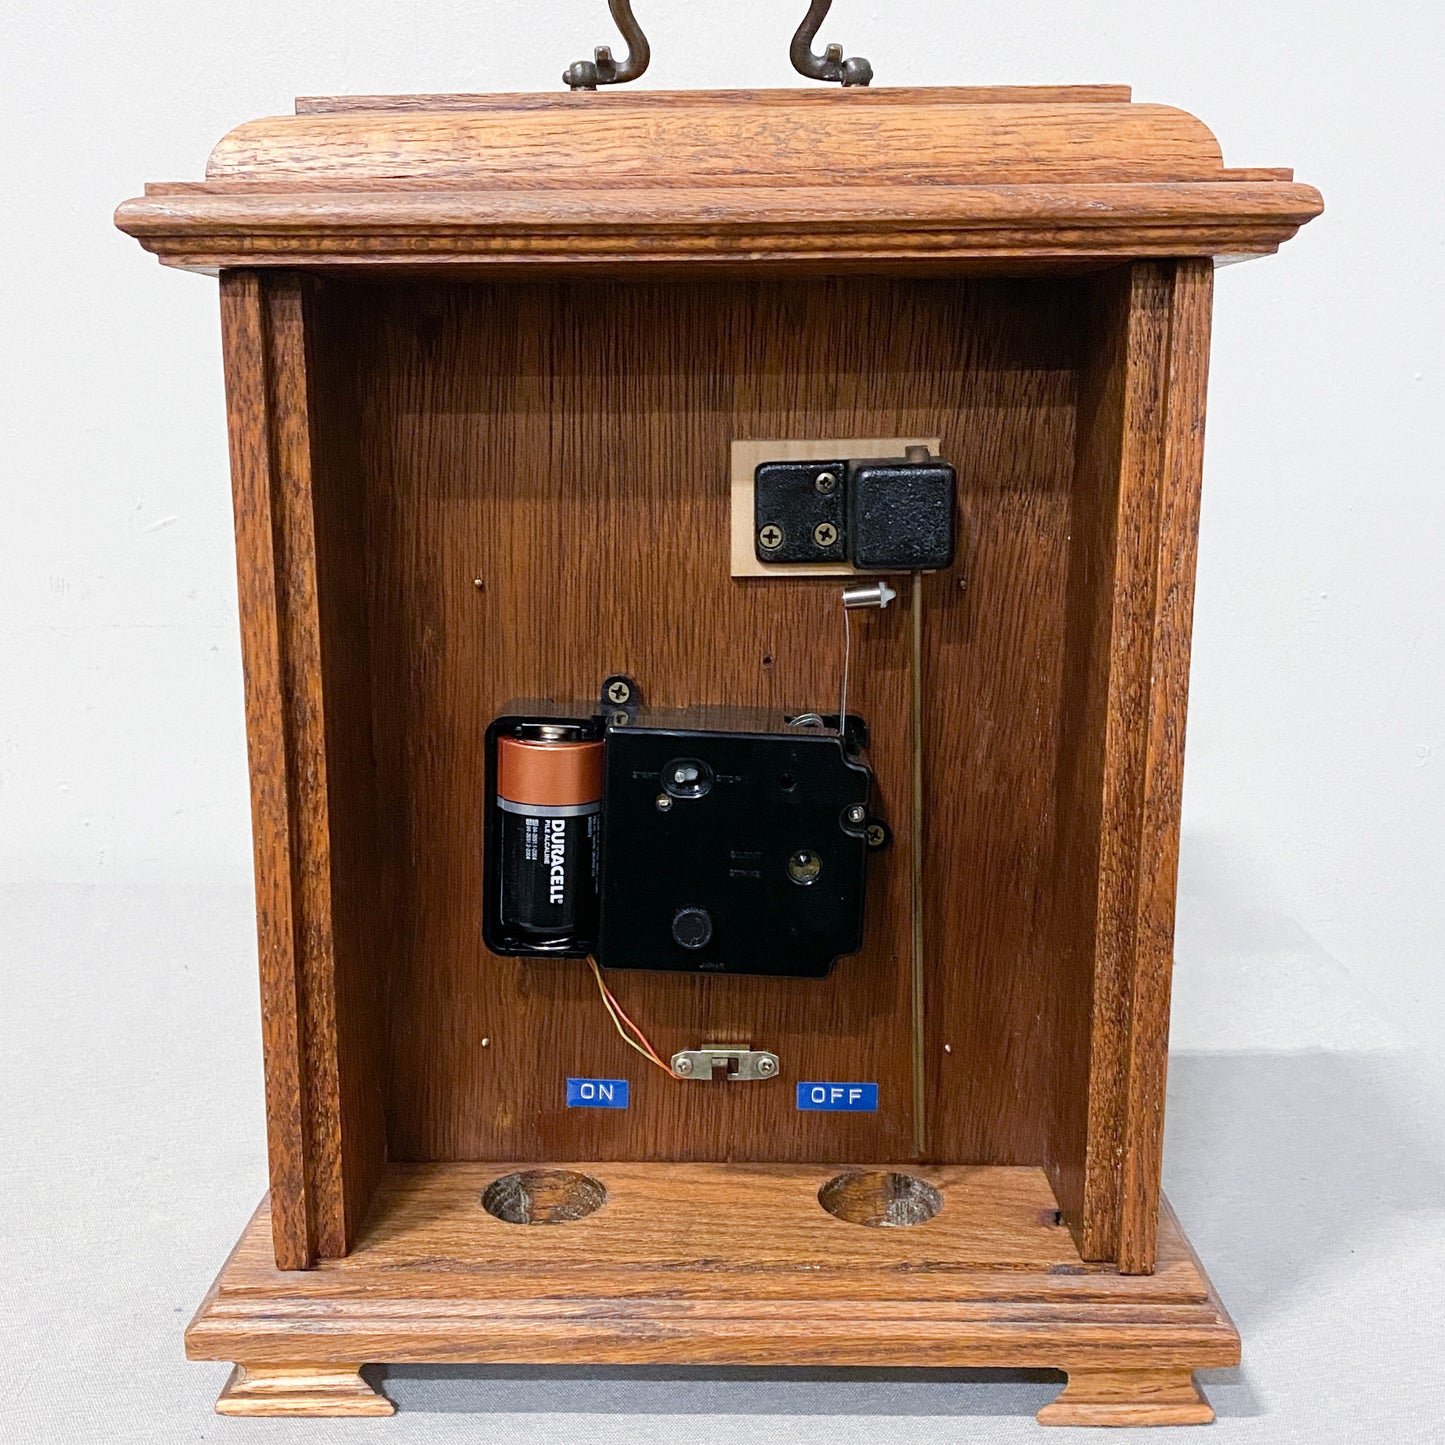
<point>841,1098</point>
<point>596,1093</point>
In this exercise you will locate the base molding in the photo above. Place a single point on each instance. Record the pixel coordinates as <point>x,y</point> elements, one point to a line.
<point>300,1390</point>
<point>690,1264</point>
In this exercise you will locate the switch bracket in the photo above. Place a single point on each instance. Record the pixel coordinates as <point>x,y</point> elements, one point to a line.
<point>736,1065</point>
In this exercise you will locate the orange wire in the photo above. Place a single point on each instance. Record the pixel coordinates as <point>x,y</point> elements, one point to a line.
<point>635,1040</point>
<point>622,1014</point>
<point>641,1043</point>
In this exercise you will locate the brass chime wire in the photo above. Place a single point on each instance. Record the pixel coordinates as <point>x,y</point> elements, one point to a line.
<point>920,1072</point>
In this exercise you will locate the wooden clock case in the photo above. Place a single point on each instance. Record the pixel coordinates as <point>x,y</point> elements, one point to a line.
<point>485,357</point>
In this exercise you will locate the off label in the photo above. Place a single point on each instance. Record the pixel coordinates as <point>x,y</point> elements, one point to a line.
<point>596,1093</point>
<point>839,1098</point>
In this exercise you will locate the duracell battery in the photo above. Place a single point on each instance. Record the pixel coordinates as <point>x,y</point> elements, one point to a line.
<point>549,792</point>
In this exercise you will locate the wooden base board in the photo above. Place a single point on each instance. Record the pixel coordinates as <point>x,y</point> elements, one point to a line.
<point>716,1264</point>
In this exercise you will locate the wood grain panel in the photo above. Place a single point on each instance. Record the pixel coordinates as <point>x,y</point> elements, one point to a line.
<point>1079,777</point>
<point>906,95</point>
<point>811,181</point>
<point>1185,368</point>
<point>709,1265</point>
<point>1129,1397</point>
<point>720,137</point>
<point>719,1232</point>
<point>304,722</point>
<point>326,1391</point>
<point>568,447</point>
<point>882,229</point>
<point>363,925</point>
<point>1135,517</point>
<point>995,657</point>
<point>246,344</point>
<point>1134,324</point>
<point>311,876</point>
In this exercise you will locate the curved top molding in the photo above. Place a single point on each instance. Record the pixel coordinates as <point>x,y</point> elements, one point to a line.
<point>940,179</point>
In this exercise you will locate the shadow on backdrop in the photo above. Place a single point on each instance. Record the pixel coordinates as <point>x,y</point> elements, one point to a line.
<point>1285,1167</point>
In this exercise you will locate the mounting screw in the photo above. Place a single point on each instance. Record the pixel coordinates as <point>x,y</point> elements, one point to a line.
<point>619,692</point>
<point>825,482</point>
<point>825,534</point>
<point>857,813</point>
<point>620,719</point>
<point>664,803</point>
<point>682,1066</point>
<point>770,537</point>
<point>766,1067</point>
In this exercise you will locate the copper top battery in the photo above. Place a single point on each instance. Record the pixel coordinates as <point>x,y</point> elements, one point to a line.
<point>549,792</point>
<point>552,765</point>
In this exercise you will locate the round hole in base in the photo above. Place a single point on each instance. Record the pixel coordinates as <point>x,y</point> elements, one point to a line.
<point>879,1197</point>
<point>543,1196</point>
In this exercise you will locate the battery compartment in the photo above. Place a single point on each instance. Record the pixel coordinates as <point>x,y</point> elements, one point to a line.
<point>499,932</point>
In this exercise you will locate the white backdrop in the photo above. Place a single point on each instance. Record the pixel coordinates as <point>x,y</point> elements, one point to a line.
<point>1315,795</point>
<point>1313,872</point>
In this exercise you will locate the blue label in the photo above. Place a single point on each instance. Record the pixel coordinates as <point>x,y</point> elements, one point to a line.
<point>596,1093</point>
<point>844,1098</point>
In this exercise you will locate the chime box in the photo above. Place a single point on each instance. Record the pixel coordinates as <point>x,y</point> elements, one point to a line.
<point>487,359</point>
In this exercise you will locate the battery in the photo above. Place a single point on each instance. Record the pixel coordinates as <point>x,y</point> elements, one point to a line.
<point>549,796</point>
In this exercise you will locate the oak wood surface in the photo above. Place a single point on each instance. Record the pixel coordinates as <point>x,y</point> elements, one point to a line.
<point>716,1231</point>
<point>782,98</point>
<point>454,425</point>
<point>248,362</point>
<point>455,428</point>
<point>716,139</point>
<point>936,230</point>
<point>1132,571</point>
<point>363,923</point>
<point>569,449</point>
<point>1128,1397</point>
<point>301,1390</point>
<point>1078,777</point>
<point>451,492</point>
<point>318,984</point>
<point>806,180</point>
<point>713,1264</point>
<point>1175,503</point>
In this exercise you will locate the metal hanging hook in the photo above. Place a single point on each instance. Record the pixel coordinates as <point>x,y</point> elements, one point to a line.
<point>602,69</point>
<point>830,65</point>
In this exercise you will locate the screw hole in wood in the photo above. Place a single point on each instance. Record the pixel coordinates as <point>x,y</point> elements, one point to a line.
<point>880,1198</point>
<point>543,1196</point>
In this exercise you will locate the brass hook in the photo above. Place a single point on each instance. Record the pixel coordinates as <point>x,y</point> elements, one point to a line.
<point>602,69</point>
<point>830,65</point>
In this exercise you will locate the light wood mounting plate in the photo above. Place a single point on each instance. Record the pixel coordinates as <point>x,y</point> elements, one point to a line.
<point>726,1265</point>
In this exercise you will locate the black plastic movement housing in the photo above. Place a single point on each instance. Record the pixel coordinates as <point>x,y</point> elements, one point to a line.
<point>732,841</point>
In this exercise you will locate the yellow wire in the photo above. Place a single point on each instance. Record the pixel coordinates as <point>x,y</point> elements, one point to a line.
<point>627,1038</point>
<point>613,1011</point>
